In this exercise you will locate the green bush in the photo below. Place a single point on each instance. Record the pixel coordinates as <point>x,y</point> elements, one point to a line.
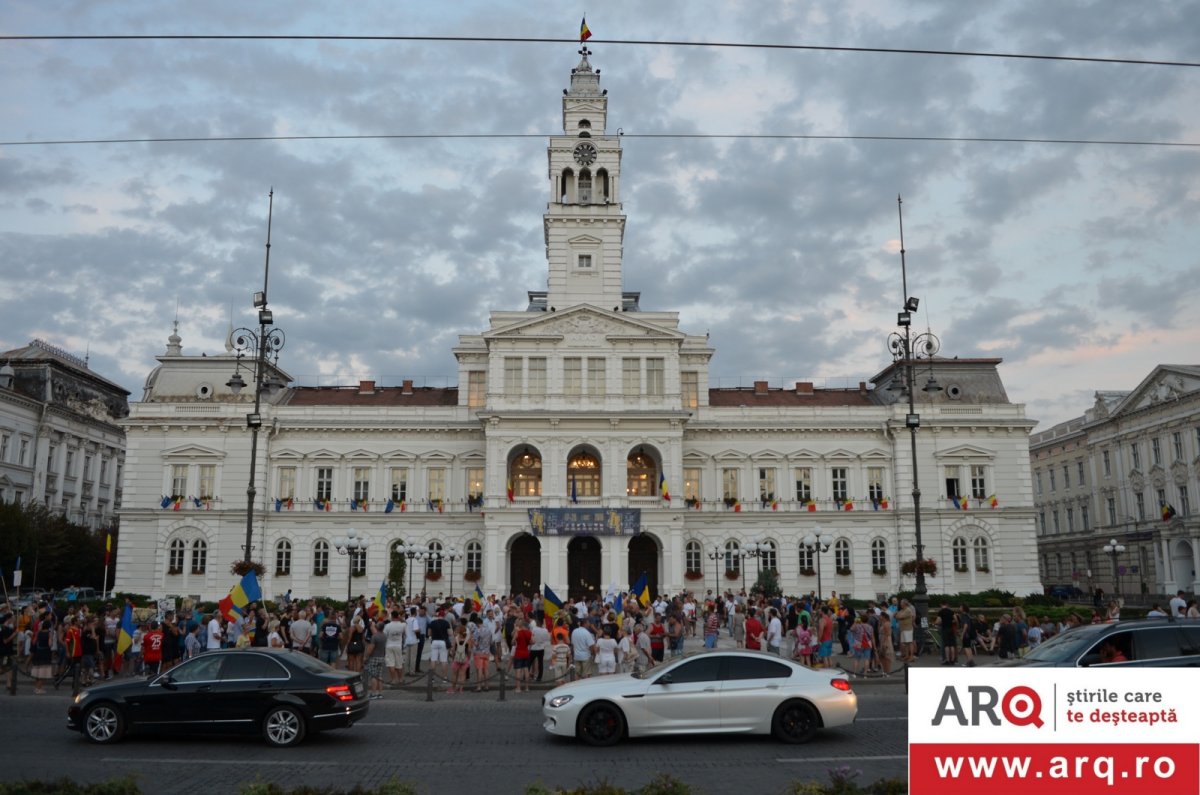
<point>65,786</point>
<point>392,787</point>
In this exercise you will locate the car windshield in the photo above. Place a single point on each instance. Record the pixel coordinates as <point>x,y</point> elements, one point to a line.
<point>1066,646</point>
<point>310,664</point>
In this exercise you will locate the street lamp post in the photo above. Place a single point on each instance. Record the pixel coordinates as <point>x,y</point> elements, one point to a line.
<point>812,542</point>
<point>261,344</point>
<point>715,554</point>
<point>1113,549</point>
<point>350,545</point>
<point>413,553</point>
<point>906,350</point>
<point>452,554</point>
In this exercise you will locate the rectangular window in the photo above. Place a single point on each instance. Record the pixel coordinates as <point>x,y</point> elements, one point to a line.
<point>50,457</point>
<point>87,467</point>
<point>437,485</point>
<point>1156,451</point>
<point>476,389</point>
<point>1070,520</point>
<point>1054,516</point>
<point>321,559</point>
<point>399,486</point>
<point>1107,463</point>
<point>803,477</point>
<point>573,376</point>
<point>631,377</point>
<point>1053,482</point>
<point>595,377</point>
<point>104,470</point>
<point>585,260</point>
<point>475,485</point>
<point>70,459</point>
<point>1038,477</point>
<point>24,452</point>
<point>1141,505</point>
<point>839,483</point>
<point>514,377</point>
<point>4,447</point>
<point>208,481</point>
<point>691,484</point>
<point>1066,476</point>
<point>689,386</point>
<point>1079,472</point>
<point>324,483</point>
<point>1112,511</point>
<point>179,473</point>
<point>1162,497</point>
<point>362,483</point>
<point>1135,456</point>
<point>537,375</point>
<point>287,483</point>
<point>766,484</point>
<point>1185,506</point>
<point>655,377</point>
<point>1177,445</point>
<point>692,561</point>
<point>952,488</point>
<point>979,482</point>
<point>1041,517</point>
<point>875,483</point>
<point>729,484</point>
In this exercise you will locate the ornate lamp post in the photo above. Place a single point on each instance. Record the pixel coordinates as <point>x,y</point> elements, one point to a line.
<point>452,554</point>
<point>715,555</point>
<point>756,550</point>
<point>263,344</point>
<point>906,350</point>
<point>413,553</point>
<point>813,543</point>
<point>350,545</point>
<point>1113,549</point>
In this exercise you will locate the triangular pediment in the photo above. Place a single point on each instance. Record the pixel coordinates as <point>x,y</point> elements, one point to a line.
<point>192,451</point>
<point>730,455</point>
<point>768,455</point>
<point>323,453</point>
<point>967,451</point>
<point>876,455</point>
<point>437,455</point>
<point>804,454</point>
<point>399,455</point>
<point>840,453</point>
<point>694,456</point>
<point>585,240</point>
<point>472,457</point>
<point>1165,384</point>
<point>361,454</point>
<point>582,322</point>
<point>287,455</point>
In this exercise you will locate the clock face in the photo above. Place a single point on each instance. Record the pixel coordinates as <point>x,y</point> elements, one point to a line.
<point>585,154</point>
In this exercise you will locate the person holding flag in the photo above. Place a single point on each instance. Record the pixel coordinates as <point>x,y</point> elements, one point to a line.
<point>124,636</point>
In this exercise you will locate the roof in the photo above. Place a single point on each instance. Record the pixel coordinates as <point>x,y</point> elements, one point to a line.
<point>752,398</point>
<point>380,396</point>
<point>42,351</point>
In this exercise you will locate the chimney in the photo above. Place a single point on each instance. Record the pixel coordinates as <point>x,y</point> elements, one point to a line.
<point>804,387</point>
<point>406,387</point>
<point>366,387</point>
<point>760,387</point>
<point>862,388</point>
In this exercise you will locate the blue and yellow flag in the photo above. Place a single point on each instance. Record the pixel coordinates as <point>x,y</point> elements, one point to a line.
<point>246,591</point>
<point>477,598</point>
<point>379,603</point>
<point>551,604</point>
<point>641,590</point>
<point>125,639</point>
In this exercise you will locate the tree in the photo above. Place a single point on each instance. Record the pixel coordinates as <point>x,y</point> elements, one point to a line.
<point>767,583</point>
<point>395,577</point>
<point>53,550</point>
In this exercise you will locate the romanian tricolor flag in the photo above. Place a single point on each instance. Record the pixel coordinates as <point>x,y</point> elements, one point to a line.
<point>246,591</point>
<point>227,608</point>
<point>737,506</point>
<point>848,505</point>
<point>125,639</point>
<point>662,487</point>
<point>811,505</point>
<point>378,605</point>
<point>584,33</point>
<point>993,502</point>
<point>551,604</point>
<point>510,490</point>
<point>107,548</point>
<point>884,503</point>
<point>403,506</point>
<point>328,506</point>
<point>477,598</point>
<point>290,503</point>
<point>178,504</point>
<point>1168,511</point>
<point>774,503</point>
<point>964,503</point>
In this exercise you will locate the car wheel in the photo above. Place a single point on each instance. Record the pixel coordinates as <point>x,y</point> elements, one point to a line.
<point>601,724</point>
<point>103,724</point>
<point>795,722</point>
<point>283,727</point>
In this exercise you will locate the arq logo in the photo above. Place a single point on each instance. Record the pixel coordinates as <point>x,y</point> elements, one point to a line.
<point>1021,706</point>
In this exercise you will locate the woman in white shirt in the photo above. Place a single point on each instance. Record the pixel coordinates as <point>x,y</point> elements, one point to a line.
<point>606,653</point>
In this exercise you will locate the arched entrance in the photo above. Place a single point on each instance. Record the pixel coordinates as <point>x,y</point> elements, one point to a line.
<point>1182,567</point>
<point>643,557</point>
<point>525,565</point>
<point>583,567</point>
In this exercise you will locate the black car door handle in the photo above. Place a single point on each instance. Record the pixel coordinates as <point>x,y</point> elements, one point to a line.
<point>264,685</point>
<point>204,689</point>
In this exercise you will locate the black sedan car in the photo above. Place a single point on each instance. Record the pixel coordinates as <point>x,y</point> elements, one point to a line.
<point>281,694</point>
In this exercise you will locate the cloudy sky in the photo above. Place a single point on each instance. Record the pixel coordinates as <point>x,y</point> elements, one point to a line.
<point>1079,265</point>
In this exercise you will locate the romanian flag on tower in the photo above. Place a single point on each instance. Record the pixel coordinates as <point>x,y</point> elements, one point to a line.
<point>584,33</point>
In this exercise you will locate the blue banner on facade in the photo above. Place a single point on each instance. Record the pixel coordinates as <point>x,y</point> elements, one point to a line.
<point>585,521</point>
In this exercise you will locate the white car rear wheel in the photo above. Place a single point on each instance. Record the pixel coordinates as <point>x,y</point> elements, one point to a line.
<point>795,722</point>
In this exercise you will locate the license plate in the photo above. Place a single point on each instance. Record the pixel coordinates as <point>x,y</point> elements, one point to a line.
<point>358,689</point>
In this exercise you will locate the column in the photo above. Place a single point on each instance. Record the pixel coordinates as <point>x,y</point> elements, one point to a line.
<point>1168,575</point>
<point>1195,565</point>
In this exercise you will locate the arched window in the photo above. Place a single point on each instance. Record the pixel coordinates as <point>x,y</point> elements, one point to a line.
<point>767,552</point>
<point>585,186</point>
<point>841,556</point>
<point>583,475</point>
<point>283,558</point>
<point>585,124</point>
<point>879,556</point>
<point>982,560</point>
<point>692,557</point>
<point>175,562</point>
<point>433,563</point>
<point>958,549</point>
<point>199,556</point>
<point>641,474</point>
<point>602,186</point>
<point>320,559</point>
<point>733,556</point>
<point>527,474</point>
<point>566,186</point>
<point>475,556</point>
<point>808,564</point>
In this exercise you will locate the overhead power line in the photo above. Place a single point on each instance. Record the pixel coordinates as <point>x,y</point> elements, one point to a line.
<point>543,136</point>
<point>639,42</point>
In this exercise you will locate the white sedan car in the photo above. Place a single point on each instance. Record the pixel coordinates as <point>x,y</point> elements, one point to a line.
<point>726,692</point>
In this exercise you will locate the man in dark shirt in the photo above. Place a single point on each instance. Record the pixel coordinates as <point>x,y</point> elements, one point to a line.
<point>439,639</point>
<point>946,628</point>
<point>331,641</point>
<point>260,628</point>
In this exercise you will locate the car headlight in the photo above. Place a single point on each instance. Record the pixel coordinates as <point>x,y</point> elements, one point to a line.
<point>559,701</point>
<point>82,695</point>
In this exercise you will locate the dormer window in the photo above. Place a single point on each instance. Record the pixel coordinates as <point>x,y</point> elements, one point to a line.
<point>584,124</point>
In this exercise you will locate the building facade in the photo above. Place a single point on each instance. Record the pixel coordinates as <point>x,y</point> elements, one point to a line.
<point>582,448</point>
<point>61,444</point>
<point>1103,480</point>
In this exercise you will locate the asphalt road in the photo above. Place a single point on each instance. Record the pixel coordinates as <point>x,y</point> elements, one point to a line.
<point>458,744</point>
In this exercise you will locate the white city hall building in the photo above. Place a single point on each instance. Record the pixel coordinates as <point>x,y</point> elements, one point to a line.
<point>546,464</point>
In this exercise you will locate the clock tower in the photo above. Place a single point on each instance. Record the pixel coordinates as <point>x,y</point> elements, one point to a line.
<point>584,225</point>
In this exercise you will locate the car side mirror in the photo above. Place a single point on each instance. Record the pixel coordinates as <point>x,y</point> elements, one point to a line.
<point>665,679</point>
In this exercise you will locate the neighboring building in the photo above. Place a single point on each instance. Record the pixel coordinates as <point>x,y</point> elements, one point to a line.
<point>60,441</point>
<point>1106,476</point>
<point>546,464</point>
